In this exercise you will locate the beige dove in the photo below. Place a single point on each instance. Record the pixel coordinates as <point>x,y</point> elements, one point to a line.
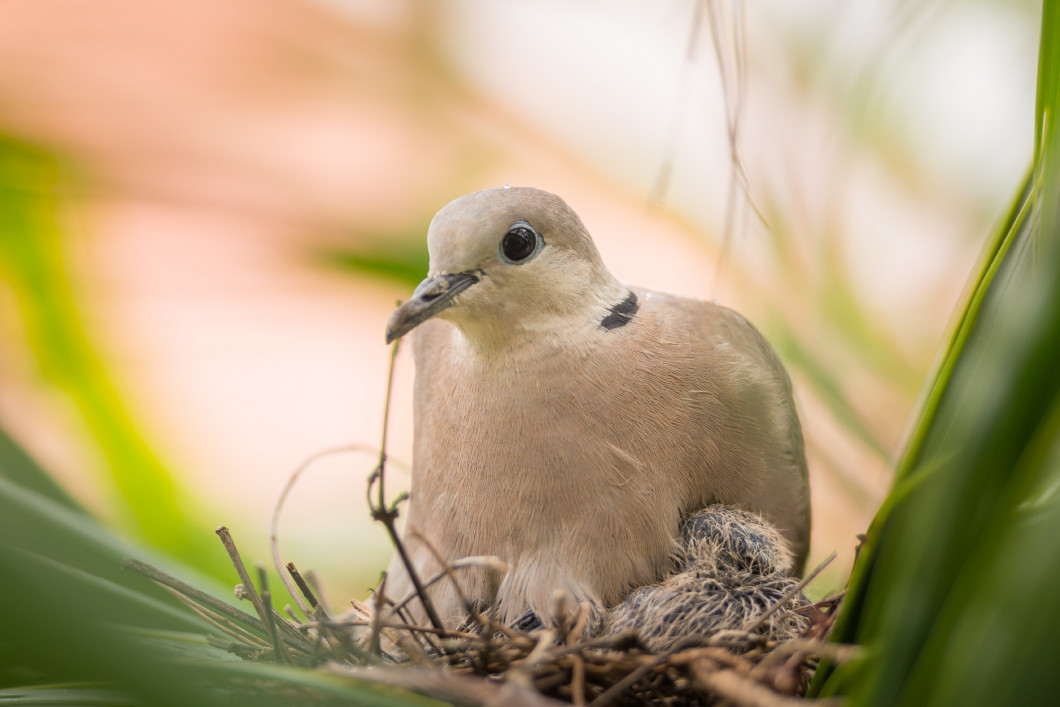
<point>567,423</point>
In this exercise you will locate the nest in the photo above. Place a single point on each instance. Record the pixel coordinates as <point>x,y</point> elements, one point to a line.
<point>487,662</point>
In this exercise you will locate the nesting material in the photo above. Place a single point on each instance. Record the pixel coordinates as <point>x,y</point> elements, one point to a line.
<point>644,656</point>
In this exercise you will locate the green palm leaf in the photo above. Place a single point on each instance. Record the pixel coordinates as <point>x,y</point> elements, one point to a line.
<point>952,592</point>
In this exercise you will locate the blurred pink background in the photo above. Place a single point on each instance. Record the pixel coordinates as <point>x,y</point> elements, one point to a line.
<point>226,148</point>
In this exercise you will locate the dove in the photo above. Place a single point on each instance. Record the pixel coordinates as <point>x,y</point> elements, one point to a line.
<point>569,424</point>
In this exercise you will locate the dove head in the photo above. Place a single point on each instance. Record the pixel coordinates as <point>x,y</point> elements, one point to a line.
<point>508,262</point>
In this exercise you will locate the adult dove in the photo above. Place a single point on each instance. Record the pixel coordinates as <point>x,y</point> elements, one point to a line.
<point>567,423</point>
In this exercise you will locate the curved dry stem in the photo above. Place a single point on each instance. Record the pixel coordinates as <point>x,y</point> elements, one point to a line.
<point>274,524</point>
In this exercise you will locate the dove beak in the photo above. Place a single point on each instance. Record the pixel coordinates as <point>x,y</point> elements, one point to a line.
<point>431,297</point>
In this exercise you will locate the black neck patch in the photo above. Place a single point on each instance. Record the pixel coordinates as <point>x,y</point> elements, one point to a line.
<point>621,314</point>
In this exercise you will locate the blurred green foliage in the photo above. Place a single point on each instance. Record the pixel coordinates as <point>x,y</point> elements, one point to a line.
<point>826,384</point>
<point>397,258</point>
<point>32,260</point>
<point>953,592</point>
<point>19,467</point>
<point>77,629</point>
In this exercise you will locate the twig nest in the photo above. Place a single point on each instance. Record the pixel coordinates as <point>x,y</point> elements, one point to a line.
<point>730,575</point>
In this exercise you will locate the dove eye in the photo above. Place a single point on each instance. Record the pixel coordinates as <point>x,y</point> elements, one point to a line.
<point>520,243</point>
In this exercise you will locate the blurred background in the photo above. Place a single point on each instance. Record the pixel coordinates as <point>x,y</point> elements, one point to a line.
<point>208,211</point>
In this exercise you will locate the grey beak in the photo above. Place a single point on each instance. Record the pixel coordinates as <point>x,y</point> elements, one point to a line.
<point>431,296</point>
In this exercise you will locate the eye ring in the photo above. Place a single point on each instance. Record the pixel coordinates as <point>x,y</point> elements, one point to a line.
<point>520,243</point>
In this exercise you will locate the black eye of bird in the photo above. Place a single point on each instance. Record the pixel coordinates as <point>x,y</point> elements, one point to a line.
<point>519,243</point>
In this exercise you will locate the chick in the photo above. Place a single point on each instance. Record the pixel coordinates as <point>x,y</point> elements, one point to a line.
<point>730,572</point>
